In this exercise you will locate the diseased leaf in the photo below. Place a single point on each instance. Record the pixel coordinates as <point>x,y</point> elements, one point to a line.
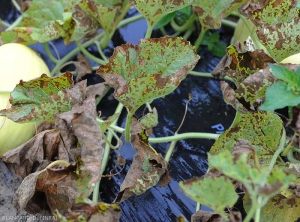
<point>205,216</point>
<point>153,11</point>
<point>38,152</point>
<point>239,65</point>
<point>148,71</point>
<point>40,99</point>
<point>262,130</point>
<point>92,212</point>
<point>278,208</point>
<point>268,11</point>
<point>150,119</point>
<point>282,39</point>
<point>61,186</point>
<point>212,12</point>
<point>216,193</point>
<point>237,167</point>
<point>105,13</point>
<point>148,168</point>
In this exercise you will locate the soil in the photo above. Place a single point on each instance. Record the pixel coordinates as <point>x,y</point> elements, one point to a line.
<point>7,191</point>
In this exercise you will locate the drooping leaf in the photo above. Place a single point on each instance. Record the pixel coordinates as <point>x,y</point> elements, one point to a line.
<point>239,65</point>
<point>148,168</point>
<point>153,11</point>
<point>92,212</point>
<point>281,40</point>
<point>212,12</point>
<point>278,208</point>
<point>105,13</point>
<point>206,216</point>
<point>216,193</point>
<point>268,11</point>
<point>72,20</point>
<point>40,99</point>
<point>262,130</point>
<point>148,71</point>
<point>63,186</point>
<point>46,20</point>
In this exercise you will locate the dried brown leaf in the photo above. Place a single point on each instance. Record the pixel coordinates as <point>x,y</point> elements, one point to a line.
<point>148,168</point>
<point>205,216</point>
<point>83,67</point>
<point>95,212</point>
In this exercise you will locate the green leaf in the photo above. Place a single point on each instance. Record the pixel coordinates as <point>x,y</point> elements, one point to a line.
<point>218,48</point>
<point>216,193</point>
<point>40,99</point>
<point>281,40</point>
<point>153,11</point>
<point>262,130</point>
<point>165,20</point>
<point>278,96</point>
<point>148,71</point>
<point>150,119</point>
<point>278,208</point>
<point>282,72</point>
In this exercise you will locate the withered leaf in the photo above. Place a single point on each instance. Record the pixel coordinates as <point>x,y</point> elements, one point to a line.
<point>62,187</point>
<point>83,67</point>
<point>37,153</point>
<point>148,168</point>
<point>239,65</point>
<point>94,212</point>
<point>205,216</point>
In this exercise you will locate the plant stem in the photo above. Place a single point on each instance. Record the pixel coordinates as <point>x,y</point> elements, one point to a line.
<point>170,150</point>
<point>149,32</point>
<point>185,26</point>
<point>49,54</point>
<point>200,38</point>
<point>229,23</point>
<point>207,75</point>
<point>182,136</point>
<point>258,210</point>
<point>15,23</point>
<point>251,211</point>
<point>127,126</point>
<point>105,157</point>
<point>130,20</point>
<point>89,55</point>
<point>73,53</point>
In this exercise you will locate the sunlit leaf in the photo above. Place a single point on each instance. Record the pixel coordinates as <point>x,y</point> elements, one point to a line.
<point>262,130</point>
<point>216,193</point>
<point>153,11</point>
<point>40,99</point>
